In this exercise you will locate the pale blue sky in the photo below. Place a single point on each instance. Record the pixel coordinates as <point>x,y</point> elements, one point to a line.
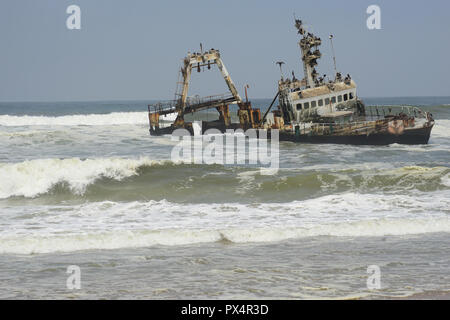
<point>133,49</point>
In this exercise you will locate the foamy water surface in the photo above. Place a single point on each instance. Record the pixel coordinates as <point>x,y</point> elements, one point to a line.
<point>94,188</point>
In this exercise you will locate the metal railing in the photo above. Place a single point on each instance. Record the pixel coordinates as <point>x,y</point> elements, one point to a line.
<point>381,112</point>
<point>378,116</point>
<point>162,107</point>
<point>171,105</point>
<point>192,101</point>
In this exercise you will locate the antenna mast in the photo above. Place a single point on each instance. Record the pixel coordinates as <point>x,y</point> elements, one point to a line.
<point>334,56</point>
<point>280,63</point>
<point>309,45</point>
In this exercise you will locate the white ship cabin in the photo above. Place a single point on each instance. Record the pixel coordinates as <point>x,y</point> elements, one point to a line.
<point>323,101</point>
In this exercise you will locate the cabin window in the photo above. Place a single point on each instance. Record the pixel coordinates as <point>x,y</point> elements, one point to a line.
<point>339,98</point>
<point>320,102</point>
<point>313,104</point>
<point>327,101</point>
<point>333,99</point>
<point>351,95</point>
<point>345,97</point>
<point>299,106</point>
<point>306,105</point>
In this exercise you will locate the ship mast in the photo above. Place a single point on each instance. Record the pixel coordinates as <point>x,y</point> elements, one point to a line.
<point>310,53</point>
<point>334,56</point>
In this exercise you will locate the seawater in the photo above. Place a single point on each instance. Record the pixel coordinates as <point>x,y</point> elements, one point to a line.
<point>83,183</point>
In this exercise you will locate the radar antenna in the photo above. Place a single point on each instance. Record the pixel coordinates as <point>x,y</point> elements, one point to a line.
<point>280,63</point>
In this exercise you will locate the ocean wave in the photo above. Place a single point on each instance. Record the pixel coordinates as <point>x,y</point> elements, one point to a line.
<point>145,178</point>
<point>172,237</point>
<point>446,180</point>
<point>441,128</point>
<point>34,177</point>
<point>25,134</point>
<point>115,118</point>
<point>113,225</point>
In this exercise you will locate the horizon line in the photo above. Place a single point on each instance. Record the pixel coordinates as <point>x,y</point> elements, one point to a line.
<point>149,100</point>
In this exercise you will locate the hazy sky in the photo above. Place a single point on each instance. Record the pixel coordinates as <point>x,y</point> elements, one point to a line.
<point>133,49</point>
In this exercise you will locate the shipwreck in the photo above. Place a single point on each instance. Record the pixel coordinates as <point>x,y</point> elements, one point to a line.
<point>314,109</point>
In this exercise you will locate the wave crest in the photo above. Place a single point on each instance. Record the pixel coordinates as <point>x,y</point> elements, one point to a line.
<point>173,237</point>
<point>132,179</point>
<point>34,177</point>
<point>114,118</point>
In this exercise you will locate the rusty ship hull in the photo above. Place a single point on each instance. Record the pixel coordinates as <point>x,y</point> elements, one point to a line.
<point>410,137</point>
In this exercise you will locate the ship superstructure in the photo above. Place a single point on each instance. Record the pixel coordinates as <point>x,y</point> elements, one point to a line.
<point>314,99</point>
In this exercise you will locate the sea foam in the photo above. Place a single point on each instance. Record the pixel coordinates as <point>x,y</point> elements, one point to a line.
<point>115,118</point>
<point>32,244</point>
<point>34,177</point>
<point>114,225</point>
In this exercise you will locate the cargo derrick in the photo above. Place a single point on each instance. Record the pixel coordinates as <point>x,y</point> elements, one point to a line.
<point>248,117</point>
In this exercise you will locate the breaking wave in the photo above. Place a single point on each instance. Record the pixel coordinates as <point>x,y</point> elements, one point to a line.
<point>115,118</point>
<point>114,225</point>
<point>34,177</point>
<point>441,128</point>
<point>144,178</point>
<point>172,237</point>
